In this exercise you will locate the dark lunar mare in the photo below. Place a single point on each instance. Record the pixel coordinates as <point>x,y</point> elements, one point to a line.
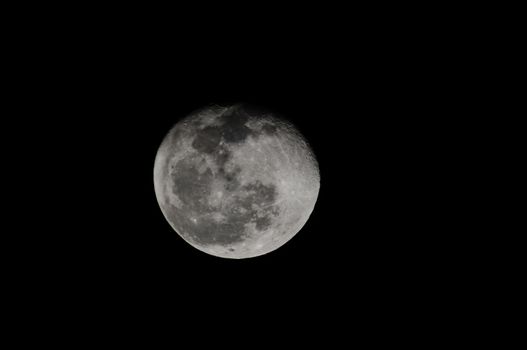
<point>191,186</point>
<point>263,197</point>
<point>207,139</point>
<point>269,129</point>
<point>234,129</point>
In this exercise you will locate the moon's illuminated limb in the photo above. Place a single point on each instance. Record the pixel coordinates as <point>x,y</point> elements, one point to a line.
<point>273,154</point>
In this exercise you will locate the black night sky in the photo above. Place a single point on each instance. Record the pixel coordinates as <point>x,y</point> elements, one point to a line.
<point>363,231</point>
<point>360,100</point>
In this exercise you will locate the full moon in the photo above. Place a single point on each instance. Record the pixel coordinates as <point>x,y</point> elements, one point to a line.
<point>236,181</point>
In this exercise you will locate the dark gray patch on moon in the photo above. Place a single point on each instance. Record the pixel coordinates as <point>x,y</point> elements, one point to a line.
<point>208,231</point>
<point>265,194</point>
<point>207,140</point>
<point>269,129</point>
<point>221,156</point>
<point>260,197</point>
<point>234,129</point>
<point>263,223</point>
<point>191,186</point>
<point>230,178</point>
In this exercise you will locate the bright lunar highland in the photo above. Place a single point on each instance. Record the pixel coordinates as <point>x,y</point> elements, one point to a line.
<point>235,181</point>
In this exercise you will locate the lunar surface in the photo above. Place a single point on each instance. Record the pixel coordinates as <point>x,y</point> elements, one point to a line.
<point>234,181</point>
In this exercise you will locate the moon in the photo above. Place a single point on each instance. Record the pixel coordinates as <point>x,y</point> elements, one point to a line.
<point>236,181</point>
